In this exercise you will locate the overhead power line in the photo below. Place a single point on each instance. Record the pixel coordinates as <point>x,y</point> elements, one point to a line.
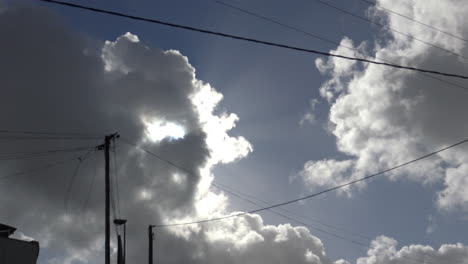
<point>233,193</point>
<point>49,133</point>
<point>290,217</point>
<point>115,179</point>
<point>325,3</point>
<point>412,19</point>
<point>321,38</point>
<point>9,137</point>
<point>39,154</point>
<point>129,142</point>
<point>80,160</point>
<point>242,195</point>
<point>91,186</point>
<point>279,23</point>
<point>267,43</point>
<point>238,194</point>
<point>31,171</point>
<point>314,194</point>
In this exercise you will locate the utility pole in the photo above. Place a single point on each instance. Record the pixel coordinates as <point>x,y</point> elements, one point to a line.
<point>107,140</point>
<point>106,147</point>
<point>150,244</point>
<point>119,222</point>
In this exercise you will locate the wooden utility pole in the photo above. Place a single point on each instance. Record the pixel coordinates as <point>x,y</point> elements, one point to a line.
<point>107,141</point>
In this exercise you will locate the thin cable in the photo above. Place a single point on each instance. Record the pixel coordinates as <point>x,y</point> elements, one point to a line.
<point>291,201</point>
<point>265,203</point>
<point>290,218</point>
<point>156,156</point>
<point>314,194</point>
<point>46,151</point>
<point>362,245</point>
<point>116,176</point>
<point>387,27</point>
<point>414,20</point>
<point>114,212</point>
<point>38,154</point>
<point>70,184</point>
<point>48,166</point>
<point>114,189</point>
<point>220,187</point>
<point>270,207</point>
<point>80,159</point>
<point>46,138</point>
<point>277,22</point>
<point>114,215</point>
<point>251,39</point>
<point>112,201</point>
<point>91,186</point>
<point>309,34</point>
<point>49,133</point>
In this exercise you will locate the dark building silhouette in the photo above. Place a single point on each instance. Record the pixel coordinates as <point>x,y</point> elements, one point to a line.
<point>14,251</point>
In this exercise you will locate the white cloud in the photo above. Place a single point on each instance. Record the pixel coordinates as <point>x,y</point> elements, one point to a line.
<point>127,87</point>
<point>383,250</point>
<point>224,148</point>
<point>382,117</point>
<point>248,240</point>
<point>158,130</point>
<point>326,172</point>
<point>57,86</point>
<point>432,225</point>
<point>309,116</point>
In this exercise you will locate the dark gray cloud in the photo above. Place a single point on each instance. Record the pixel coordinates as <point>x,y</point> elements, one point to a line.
<point>55,79</point>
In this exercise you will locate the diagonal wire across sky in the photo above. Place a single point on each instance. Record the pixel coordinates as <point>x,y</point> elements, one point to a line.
<point>293,200</point>
<point>253,40</point>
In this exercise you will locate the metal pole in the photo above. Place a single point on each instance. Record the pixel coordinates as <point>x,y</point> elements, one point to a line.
<point>107,183</point>
<point>150,244</point>
<point>125,242</point>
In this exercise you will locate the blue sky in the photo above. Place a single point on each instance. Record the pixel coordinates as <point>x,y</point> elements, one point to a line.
<point>270,90</point>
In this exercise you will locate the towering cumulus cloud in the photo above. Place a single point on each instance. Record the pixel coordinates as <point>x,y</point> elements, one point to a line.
<point>54,79</point>
<point>382,116</point>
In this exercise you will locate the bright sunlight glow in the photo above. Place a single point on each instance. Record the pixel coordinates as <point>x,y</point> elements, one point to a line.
<point>159,130</point>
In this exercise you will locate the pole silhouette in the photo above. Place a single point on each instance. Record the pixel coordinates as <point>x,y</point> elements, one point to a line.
<point>106,147</point>
<point>150,244</point>
<point>122,254</point>
<point>107,183</point>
